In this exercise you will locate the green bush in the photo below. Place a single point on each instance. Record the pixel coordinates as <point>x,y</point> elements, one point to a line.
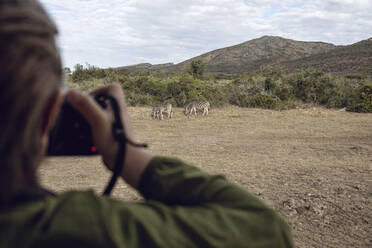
<point>256,91</point>
<point>258,101</point>
<point>264,101</point>
<point>214,94</point>
<point>269,85</point>
<point>313,86</point>
<point>183,90</point>
<point>91,72</point>
<point>342,94</point>
<point>139,99</point>
<point>196,68</point>
<point>363,101</point>
<point>305,84</point>
<point>265,89</point>
<point>86,85</point>
<point>284,91</point>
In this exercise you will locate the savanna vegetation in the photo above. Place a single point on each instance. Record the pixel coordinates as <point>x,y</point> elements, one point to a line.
<point>264,89</point>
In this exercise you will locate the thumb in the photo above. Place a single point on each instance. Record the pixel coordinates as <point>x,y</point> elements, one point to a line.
<point>87,106</point>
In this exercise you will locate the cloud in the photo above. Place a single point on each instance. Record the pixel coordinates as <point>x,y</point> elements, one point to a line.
<point>121,32</point>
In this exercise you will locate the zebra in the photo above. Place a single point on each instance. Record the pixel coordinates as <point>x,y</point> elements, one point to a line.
<point>194,106</point>
<point>159,109</point>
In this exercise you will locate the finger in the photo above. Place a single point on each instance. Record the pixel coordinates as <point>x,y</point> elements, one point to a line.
<point>113,89</point>
<point>116,91</point>
<point>87,107</point>
<point>109,87</point>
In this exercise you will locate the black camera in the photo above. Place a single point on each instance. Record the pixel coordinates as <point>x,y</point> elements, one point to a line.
<point>72,134</point>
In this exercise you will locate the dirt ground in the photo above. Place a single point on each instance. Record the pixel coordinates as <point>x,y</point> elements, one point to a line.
<point>314,166</point>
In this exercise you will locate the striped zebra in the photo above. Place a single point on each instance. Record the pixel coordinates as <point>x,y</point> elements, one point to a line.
<point>159,109</point>
<point>197,106</point>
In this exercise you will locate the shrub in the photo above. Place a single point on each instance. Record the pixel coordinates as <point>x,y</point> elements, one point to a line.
<point>87,85</point>
<point>264,101</point>
<point>343,93</point>
<point>284,91</point>
<point>269,84</point>
<point>265,89</point>
<point>139,99</point>
<point>363,101</point>
<point>183,90</point>
<point>253,91</point>
<point>196,68</point>
<point>91,72</point>
<point>258,101</point>
<point>312,86</point>
<point>78,74</point>
<point>214,94</point>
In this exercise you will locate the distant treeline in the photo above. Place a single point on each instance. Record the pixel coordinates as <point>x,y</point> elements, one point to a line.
<point>265,89</point>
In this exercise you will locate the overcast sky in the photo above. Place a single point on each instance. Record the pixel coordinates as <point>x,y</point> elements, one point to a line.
<point>111,33</point>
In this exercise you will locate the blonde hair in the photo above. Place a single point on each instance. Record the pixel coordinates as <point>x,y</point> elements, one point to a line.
<point>30,73</point>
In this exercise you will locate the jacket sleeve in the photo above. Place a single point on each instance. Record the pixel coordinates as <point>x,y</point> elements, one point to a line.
<point>185,207</point>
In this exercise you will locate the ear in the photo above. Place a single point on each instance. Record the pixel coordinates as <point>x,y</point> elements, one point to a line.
<point>51,111</point>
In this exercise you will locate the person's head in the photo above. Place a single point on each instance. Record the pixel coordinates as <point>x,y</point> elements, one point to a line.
<point>30,81</point>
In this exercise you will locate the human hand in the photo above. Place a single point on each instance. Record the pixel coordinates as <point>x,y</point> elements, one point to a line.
<point>100,121</point>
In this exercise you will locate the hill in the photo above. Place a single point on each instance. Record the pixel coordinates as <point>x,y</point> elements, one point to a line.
<point>355,59</point>
<point>278,53</point>
<point>254,54</point>
<point>144,67</point>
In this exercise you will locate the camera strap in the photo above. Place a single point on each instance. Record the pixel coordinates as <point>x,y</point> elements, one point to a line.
<point>120,136</point>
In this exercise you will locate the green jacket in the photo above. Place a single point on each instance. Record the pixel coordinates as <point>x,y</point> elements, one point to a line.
<point>183,207</point>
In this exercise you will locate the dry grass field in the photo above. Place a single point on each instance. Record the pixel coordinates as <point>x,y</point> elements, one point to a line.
<point>314,165</point>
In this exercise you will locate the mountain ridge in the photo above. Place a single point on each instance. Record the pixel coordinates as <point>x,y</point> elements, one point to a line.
<point>354,59</point>
<point>278,53</point>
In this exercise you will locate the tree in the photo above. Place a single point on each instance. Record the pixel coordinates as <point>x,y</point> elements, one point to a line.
<point>196,68</point>
<point>67,74</point>
<point>363,101</point>
<point>78,74</point>
<point>67,71</point>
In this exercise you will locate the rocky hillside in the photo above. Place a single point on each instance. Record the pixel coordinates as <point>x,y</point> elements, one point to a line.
<point>255,54</point>
<point>355,59</point>
<point>145,67</point>
<point>280,53</point>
